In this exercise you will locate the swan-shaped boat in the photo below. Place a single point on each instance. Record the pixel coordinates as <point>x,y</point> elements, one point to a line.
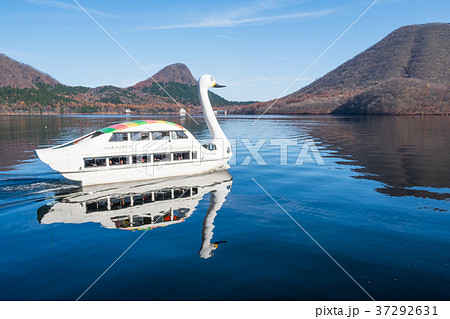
<point>141,150</point>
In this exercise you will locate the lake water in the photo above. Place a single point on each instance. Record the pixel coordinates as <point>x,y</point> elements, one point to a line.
<point>380,206</point>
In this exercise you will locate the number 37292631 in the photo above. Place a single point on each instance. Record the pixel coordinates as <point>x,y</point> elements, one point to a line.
<point>406,310</point>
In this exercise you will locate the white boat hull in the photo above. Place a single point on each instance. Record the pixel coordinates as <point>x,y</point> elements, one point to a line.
<point>145,172</point>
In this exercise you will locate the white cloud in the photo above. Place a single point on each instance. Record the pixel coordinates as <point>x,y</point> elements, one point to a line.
<point>240,17</point>
<point>69,6</point>
<point>227,37</point>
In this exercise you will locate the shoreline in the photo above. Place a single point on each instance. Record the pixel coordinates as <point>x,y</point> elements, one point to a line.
<point>200,114</point>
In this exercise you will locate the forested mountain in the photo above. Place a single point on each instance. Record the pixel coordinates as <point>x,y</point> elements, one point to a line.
<point>407,72</point>
<point>24,89</point>
<point>177,72</point>
<point>177,80</point>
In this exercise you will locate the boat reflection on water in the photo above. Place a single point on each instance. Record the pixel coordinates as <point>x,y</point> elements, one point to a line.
<point>144,206</point>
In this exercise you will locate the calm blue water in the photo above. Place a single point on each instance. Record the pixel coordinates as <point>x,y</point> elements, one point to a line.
<point>380,206</point>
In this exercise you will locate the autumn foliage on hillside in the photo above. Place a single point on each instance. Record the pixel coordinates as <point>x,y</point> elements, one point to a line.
<point>407,72</point>
<point>24,92</point>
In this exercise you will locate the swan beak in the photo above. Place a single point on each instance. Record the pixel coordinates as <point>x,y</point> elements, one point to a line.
<point>218,85</point>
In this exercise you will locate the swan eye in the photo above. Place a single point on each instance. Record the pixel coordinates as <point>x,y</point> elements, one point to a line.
<point>212,79</point>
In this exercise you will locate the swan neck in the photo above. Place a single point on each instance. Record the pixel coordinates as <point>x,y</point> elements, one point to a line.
<point>215,130</point>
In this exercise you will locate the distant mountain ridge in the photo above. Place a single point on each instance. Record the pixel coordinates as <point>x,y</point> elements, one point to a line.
<point>25,89</point>
<point>177,72</point>
<point>407,72</point>
<point>19,75</point>
<point>176,80</point>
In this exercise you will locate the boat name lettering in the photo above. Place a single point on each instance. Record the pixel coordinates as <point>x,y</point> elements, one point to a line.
<point>116,147</point>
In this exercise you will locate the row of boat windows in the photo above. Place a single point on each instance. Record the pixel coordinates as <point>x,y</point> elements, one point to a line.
<point>115,203</point>
<point>138,159</point>
<point>141,220</point>
<point>146,136</point>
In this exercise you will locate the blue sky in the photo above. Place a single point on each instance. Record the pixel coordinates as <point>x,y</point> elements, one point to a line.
<point>256,48</point>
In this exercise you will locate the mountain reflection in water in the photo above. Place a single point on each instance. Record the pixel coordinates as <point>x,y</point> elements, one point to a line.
<point>409,155</point>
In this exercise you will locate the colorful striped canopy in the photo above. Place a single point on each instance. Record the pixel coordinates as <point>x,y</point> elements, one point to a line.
<point>122,126</point>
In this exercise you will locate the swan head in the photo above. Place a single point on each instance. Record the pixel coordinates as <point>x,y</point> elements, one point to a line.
<point>207,81</point>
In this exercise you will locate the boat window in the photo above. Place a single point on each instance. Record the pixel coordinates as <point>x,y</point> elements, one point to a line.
<point>180,156</point>
<point>142,199</point>
<point>194,190</point>
<point>181,134</point>
<point>163,195</point>
<point>140,136</point>
<point>138,200</point>
<point>181,192</point>
<point>177,135</point>
<point>141,220</point>
<point>118,203</point>
<point>119,137</point>
<point>147,220</point>
<point>78,140</point>
<point>96,134</point>
<point>115,203</point>
<point>138,159</point>
<point>102,205</point>
<point>162,218</point>
<point>91,207</point>
<point>160,135</point>
<point>180,213</point>
<point>210,146</point>
<point>97,206</point>
<point>148,198</point>
<point>194,155</point>
<point>135,136</point>
<point>94,162</point>
<point>126,201</point>
<point>167,217</point>
<point>89,162</point>
<point>121,221</point>
<point>119,160</point>
<point>81,139</point>
<point>163,157</point>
